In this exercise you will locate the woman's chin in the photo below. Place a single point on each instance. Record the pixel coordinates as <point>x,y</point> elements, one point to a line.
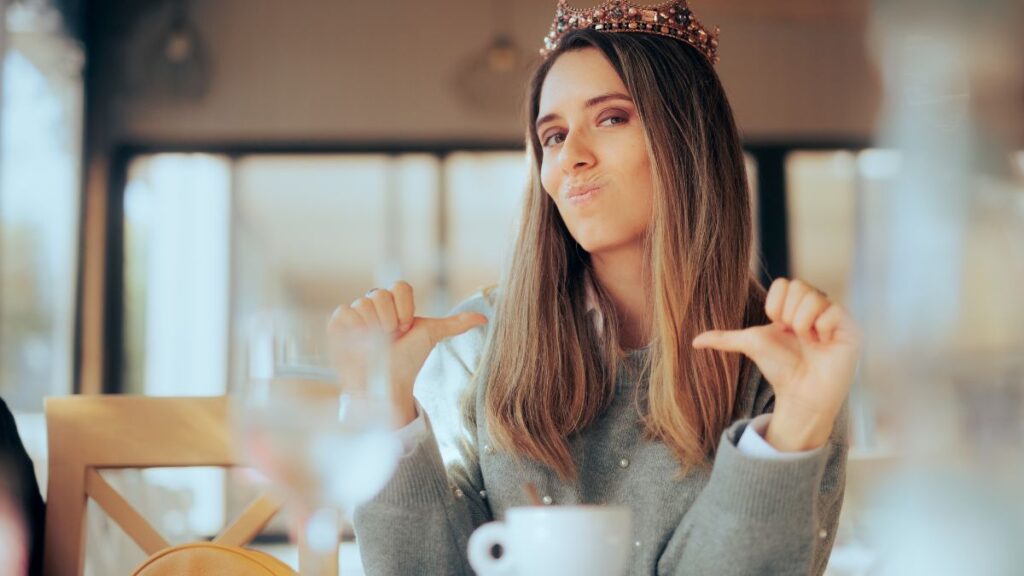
<point>602,246</point>
<point>596,239</point>
<point>589,245</point>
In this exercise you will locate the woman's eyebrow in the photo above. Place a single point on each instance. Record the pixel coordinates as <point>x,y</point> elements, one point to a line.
<point>588,104</point>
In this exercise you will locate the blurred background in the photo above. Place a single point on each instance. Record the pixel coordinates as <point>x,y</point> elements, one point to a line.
<point>169,167</point>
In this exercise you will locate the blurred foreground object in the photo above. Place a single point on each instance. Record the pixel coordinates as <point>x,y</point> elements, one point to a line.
<point>13,542</point>
<point>21,506</point>
<point>942,256</point>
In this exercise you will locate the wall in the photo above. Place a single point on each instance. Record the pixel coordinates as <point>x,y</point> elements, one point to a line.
<point>333,70</point>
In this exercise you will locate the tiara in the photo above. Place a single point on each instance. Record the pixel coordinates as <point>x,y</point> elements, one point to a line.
<point>673,19</point>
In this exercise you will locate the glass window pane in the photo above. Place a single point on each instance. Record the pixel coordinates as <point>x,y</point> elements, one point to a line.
<point>484,202</point>
<point>822,216</point>
<point>310,230</point>
<point>208,242</point>
<point>39,192</point>
<point>313,232</point>
<point>176,246</point>
<point>415,229</point>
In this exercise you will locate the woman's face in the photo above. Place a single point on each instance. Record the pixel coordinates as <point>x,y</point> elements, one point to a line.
<point>595,164</point>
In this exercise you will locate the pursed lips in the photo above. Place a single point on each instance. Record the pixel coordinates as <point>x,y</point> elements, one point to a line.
<point>575,190</point>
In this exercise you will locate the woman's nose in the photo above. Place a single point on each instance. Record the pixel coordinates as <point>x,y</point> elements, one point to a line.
<point>576,153</point>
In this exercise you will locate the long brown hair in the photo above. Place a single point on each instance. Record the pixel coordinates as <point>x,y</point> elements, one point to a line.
<point>548,373</point>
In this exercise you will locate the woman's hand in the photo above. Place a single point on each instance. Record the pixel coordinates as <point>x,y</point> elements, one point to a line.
<point>414,336</point>
<point>808,354</point>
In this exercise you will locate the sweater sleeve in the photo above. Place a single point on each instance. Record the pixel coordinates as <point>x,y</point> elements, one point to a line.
<point>763,516</point>
<point>421,521</point>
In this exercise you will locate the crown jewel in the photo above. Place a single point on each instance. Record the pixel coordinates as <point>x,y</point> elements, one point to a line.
<point>673,19</point>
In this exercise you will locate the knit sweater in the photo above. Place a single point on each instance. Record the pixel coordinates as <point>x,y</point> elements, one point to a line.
<point>743,515</point>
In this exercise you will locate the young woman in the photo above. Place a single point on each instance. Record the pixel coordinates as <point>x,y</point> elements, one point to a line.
<point>628,356</point>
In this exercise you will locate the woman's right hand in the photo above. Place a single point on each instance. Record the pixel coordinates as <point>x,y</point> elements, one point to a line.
<point>414,336</point>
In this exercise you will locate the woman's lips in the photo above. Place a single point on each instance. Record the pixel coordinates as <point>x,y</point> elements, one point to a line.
<point>583,195</point>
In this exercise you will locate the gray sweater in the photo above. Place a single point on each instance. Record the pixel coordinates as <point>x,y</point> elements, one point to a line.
<point>746,515</point>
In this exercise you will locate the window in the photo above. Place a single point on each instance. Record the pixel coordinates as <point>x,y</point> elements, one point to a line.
<point>40,122</point>
<point>209,240</point>
<point>821,199</point>
<point>177,238</point>
<point>40,133</point>
<point>483,210</point>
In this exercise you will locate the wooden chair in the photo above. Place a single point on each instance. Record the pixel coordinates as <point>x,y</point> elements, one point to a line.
<point>90,433</point>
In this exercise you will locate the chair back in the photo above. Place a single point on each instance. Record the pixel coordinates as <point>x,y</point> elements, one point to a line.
<point>87,434</point>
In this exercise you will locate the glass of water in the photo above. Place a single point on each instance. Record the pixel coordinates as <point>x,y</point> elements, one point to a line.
<point>314,415</point>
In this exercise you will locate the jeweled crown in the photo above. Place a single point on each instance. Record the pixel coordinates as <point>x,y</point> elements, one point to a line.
<point>673,19</point>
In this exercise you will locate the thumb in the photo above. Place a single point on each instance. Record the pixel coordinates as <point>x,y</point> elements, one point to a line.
<point>442,328</point>
<point>724,340</point>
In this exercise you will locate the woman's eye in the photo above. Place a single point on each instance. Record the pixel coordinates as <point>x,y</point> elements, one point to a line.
<point>618,119</point>
<point>549,140</point>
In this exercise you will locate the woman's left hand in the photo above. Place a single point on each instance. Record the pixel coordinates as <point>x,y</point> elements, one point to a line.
<point>808,354</point>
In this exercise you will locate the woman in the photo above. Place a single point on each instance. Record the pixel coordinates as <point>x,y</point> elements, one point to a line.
<point>629,357</point>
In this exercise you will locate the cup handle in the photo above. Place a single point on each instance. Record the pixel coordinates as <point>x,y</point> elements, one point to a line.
<point>481,542</point>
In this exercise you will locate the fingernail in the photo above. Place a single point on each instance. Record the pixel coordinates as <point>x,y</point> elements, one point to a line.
<point>405,327</point>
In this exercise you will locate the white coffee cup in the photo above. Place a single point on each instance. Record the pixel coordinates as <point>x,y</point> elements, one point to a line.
<point>555,540</point>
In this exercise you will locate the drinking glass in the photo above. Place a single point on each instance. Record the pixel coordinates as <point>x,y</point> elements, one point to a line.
<point>314,416</point>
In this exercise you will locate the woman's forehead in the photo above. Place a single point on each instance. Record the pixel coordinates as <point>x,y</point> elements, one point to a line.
<point>576,77</point>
